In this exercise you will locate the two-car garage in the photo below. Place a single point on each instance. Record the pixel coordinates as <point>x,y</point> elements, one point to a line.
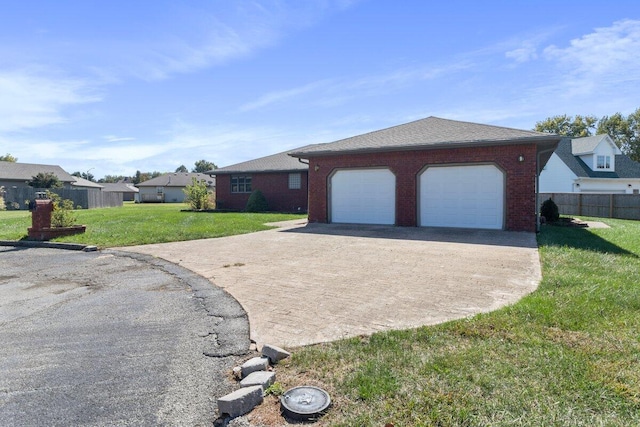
<point>463,196</point>
<point>430,172</point>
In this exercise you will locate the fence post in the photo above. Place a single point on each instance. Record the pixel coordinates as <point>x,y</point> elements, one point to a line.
<point>579,203</point>
<point>610,205</point>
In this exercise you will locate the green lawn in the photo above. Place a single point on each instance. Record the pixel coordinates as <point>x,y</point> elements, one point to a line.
<point>138,224</point>
<point>566,355</point>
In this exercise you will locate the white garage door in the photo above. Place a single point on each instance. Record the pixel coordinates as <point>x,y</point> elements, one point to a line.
<point>363,196</point>
<point>462,196</point>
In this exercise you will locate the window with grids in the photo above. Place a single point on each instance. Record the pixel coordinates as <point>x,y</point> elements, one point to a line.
<point>241,183</point>
<point>604,162</point>
<point>295,181</point>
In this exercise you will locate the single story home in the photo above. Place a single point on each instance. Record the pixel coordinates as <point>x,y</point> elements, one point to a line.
<point>18,175</point>
<point>282,179</point>
<point>593,164</point>
<point>168,188</point>
<point>431,172</point>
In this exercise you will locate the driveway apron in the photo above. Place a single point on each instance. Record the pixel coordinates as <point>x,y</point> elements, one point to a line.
<point>303,284</point>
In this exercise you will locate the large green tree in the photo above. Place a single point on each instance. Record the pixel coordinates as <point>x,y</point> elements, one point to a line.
<point>625,131</point>
<point>203,166</point>
<point>576,127</point>
<point>45,180</point>
<point>182,169</point>
<point>8,158</point>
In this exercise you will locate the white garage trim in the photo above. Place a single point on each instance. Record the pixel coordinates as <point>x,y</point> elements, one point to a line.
<point>462,196</point>
<point>362,196</point>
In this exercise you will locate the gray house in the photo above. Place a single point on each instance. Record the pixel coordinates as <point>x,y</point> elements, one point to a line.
<point>168,188</point>
<point>18,175</point>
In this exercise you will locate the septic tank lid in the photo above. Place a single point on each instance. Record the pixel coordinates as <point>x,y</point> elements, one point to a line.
<point>304,402</point>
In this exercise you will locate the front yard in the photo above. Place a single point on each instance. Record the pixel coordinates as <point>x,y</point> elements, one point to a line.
<point>140,224</point>
<point>566,355</point>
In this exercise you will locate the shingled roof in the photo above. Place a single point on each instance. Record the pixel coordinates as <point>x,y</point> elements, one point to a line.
<point>280,162</point>
<point>26,171</point>
<point>625,167</point>
<point>432,132</point>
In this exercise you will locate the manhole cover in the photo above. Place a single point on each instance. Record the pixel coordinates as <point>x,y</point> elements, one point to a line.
<point>304,402</point>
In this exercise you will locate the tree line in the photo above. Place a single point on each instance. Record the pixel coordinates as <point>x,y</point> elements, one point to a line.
<point>624,130</point>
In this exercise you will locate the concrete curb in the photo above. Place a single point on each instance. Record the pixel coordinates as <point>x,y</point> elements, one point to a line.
<point>49,245</point>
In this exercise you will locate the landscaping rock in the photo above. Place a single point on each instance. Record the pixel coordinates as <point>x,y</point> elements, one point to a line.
<point>237,372</point>
<point>275,354</point>
<point>261,378</point>
<point>240,401</point>
<point>254,364</point>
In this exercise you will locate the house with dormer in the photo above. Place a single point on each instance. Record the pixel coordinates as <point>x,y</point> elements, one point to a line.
<point>593,164</point>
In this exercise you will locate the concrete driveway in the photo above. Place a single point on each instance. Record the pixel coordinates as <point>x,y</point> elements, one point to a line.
<point>302,284</point>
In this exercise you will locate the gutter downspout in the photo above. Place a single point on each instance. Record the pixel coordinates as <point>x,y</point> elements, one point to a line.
<point>538,171</point>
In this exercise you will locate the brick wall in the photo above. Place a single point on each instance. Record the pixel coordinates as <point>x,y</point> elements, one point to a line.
<point>520,203</point>
<point>274,186</point>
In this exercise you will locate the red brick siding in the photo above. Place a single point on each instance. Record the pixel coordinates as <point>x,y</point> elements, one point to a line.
<point>520,205</point>
<point>274,186</point>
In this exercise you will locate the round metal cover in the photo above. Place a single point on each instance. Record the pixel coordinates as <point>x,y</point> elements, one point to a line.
<point>304,402</point>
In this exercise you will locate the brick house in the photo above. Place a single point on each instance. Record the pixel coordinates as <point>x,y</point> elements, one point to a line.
<point>431,172</point>
<point>281,178</point>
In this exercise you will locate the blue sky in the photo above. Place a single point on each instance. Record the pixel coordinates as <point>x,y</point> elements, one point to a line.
<point>114,86</point>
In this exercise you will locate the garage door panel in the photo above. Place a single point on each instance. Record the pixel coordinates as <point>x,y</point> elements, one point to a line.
<point>462,196</point>
<point>363,196</point>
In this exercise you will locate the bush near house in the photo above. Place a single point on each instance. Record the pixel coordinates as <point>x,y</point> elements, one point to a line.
<point>257,202</point>
<point>549,211</point>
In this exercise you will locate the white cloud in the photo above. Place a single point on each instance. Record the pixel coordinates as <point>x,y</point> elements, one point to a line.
<point>601,60</point>
<point>525,53</point>
<point>333,92</point>
<point>29,99</point>
<point>217,36</point>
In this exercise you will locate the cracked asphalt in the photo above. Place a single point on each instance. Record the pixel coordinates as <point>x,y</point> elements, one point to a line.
<point>112,338</point>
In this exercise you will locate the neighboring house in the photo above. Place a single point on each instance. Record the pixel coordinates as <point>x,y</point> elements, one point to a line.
<point>590,165</point>
<point>85,183</point>
<point>430,172</point>
<point>129,191</point>
<point>168,188</point>
<point>281,178</point>
<point>18,175</point>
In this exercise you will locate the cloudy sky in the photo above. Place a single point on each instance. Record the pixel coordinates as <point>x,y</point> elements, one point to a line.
<point>112,86</point>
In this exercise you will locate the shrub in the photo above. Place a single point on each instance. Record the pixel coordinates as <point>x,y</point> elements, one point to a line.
<point>2,205</point>
<point>549,210</point>
<point>257,202</point>
<point>62,215</point>
<point>198,195</point>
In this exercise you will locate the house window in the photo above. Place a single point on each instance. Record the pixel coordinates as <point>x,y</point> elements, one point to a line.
<point>604,162</point>
<point>295,181</point>
<point>241,183</point>
<point>160,190</point>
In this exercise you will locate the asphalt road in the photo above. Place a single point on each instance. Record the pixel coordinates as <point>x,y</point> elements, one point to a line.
<point>108,338</point>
